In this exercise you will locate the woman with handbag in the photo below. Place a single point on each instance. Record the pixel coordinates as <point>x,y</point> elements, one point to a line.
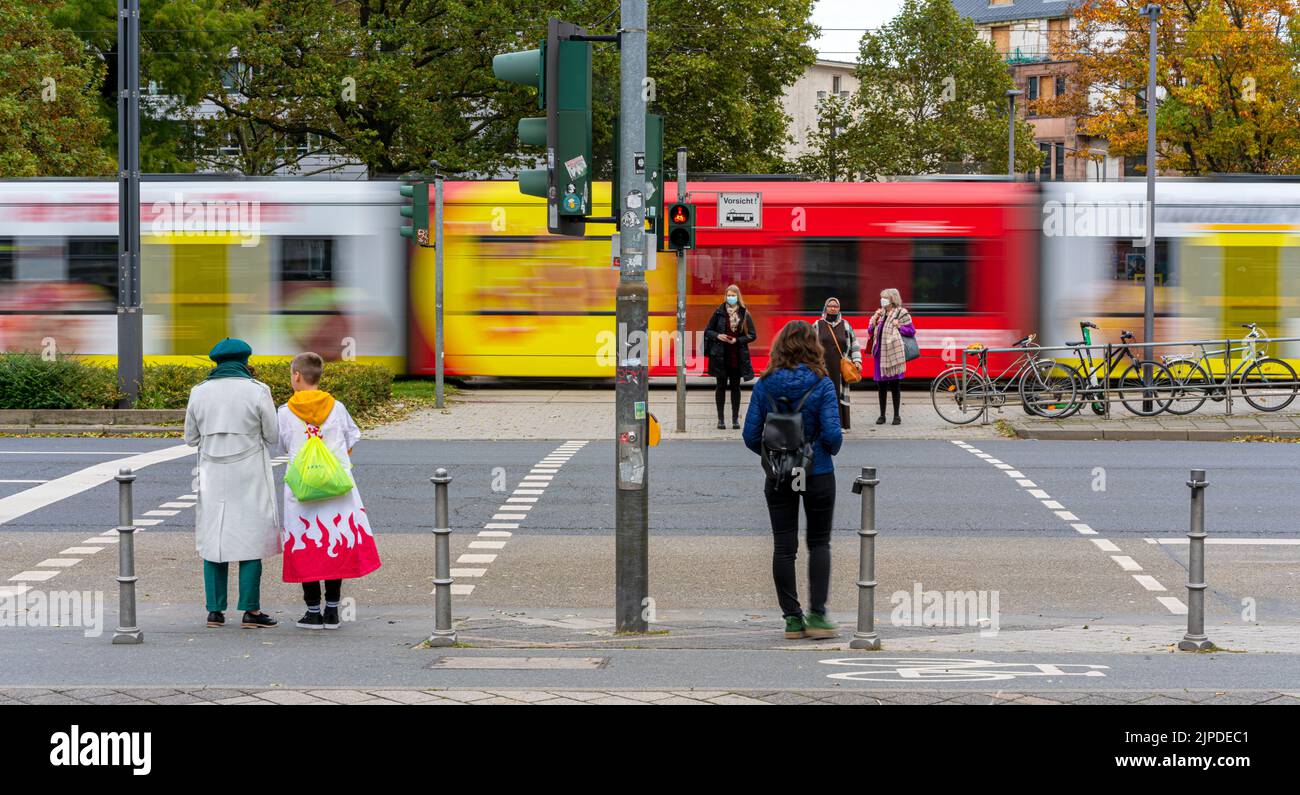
<point>893,344</point>
<point>843,355</point>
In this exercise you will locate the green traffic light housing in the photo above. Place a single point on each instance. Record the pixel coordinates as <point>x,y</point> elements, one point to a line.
<point>417,211</point>
<point>560,70</point>
<point>681,227</point>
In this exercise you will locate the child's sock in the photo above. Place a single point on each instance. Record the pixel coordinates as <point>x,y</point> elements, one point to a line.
<point>330,604</point>
<point>313,608</point>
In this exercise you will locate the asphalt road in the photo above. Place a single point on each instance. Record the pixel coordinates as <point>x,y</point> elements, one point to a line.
<point>1065,531</point>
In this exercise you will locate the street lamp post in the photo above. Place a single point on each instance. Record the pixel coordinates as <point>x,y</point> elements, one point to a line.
<point>1152,12</point>
<point>1011,131</point>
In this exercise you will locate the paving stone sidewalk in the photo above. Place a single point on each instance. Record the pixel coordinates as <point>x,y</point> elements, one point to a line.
<point>500,413</point>
<point>87,696</point>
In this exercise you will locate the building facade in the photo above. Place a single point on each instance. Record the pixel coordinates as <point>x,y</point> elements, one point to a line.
<point>800,101</point>
<point>1027,33</point>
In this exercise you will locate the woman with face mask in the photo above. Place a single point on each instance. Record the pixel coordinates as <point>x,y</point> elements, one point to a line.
<point>888,326</point>
<point>838,342</point>
<point>726,343</point>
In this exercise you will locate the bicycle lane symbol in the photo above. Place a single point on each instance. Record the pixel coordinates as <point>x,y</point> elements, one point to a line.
<point>932,669</point>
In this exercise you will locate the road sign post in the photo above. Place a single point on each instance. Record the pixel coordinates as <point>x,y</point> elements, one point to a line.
<point>130,314</point>
<point>632,304</point>
<point>681,293</point>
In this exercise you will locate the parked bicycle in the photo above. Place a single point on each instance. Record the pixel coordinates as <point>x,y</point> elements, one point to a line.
<point>1143,387</point>
<point>1266,383</point>
<point>963,393</point>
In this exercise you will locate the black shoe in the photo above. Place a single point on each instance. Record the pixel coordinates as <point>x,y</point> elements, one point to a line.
<point>722,426</point>
<point>216,619</point>
<point>259,621</point>
<point>735,424</point>
<point>897,420</point>
<point>880,420</point>
<point>331,617</point>
<point>311,620</point>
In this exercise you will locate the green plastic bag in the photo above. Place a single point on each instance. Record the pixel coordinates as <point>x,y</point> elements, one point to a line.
<point>316,474</point>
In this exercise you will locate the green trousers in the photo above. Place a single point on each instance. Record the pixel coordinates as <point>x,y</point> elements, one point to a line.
<point>217,575</point>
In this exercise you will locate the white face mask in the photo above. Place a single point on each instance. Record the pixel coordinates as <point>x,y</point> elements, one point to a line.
<point>884,303</point>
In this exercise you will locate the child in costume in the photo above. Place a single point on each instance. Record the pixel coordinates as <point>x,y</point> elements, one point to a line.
<point>324,540</point>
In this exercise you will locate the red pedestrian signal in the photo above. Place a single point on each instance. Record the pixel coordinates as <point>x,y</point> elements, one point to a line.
<point>681,227</point>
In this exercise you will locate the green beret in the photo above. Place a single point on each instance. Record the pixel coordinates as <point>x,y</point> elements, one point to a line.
<point>230,350</point>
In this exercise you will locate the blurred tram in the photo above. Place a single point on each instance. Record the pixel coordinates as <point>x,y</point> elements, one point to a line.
<point>307,264</point>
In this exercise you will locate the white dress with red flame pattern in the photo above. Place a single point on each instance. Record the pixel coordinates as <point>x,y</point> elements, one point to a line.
<point>325,539</point>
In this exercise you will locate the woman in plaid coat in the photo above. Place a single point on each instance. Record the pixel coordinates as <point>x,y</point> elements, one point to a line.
<point>888,326</point>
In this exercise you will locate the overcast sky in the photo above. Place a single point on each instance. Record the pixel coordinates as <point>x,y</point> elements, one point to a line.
<point>836,44</point>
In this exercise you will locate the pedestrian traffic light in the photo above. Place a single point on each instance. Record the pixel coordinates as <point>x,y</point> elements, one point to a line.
<point>681,227</point>
<point>418,211</point>
<point>560,70</point>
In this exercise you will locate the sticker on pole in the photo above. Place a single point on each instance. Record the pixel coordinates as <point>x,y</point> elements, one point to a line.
<point>740,211</point>
<point>576,167</point>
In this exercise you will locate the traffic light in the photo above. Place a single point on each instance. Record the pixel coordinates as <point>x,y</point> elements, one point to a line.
<point>560,70</point>
<point>417,211</point>
<point>681,227</point>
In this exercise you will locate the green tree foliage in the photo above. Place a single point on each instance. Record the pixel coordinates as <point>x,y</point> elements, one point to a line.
<point>395,85</point>
<point>932,99</point>
<point>48,120</point>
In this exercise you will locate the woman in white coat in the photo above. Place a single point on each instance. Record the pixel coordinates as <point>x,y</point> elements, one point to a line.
<point>231,419</point>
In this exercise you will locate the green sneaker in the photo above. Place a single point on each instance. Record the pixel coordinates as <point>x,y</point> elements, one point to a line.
<point>819,626</point>
<point>794,627</point>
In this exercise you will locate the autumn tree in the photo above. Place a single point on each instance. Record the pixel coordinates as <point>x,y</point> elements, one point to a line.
<point>49,124</point>
<point>932,98</point>
<point>1228,74</point>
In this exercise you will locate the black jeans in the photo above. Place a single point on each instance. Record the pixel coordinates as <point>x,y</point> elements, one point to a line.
<point>729,379</point>
<point>819,508</point>
<point>311,591</point>
<point>895,388</point>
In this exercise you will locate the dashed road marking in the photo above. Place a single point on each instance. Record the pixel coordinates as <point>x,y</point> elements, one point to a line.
<point>1125,562</point>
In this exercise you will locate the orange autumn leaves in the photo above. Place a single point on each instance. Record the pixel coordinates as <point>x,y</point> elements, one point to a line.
<point>1228,71</point>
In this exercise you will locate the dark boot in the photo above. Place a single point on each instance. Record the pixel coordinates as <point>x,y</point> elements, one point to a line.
<point>216,619</point>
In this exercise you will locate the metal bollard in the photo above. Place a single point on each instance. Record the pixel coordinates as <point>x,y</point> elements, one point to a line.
<point>866,637</point>
<point>127,630</point>
<point>443,633</point>
<point>1195,639</point>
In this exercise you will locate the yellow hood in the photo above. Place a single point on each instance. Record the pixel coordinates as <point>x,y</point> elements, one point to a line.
<point>312,406</point>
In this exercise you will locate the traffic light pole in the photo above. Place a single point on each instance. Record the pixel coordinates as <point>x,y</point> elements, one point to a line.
<point>439,332</point>
<point>631,509</point>
<point>681,302</point>
<point>130,321</point>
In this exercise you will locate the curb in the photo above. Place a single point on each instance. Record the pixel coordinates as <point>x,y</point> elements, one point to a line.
<point>1154,434</point>
<point>83,430</point>
<point>89,417</point>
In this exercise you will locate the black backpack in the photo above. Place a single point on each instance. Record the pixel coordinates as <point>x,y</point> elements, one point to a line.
<point>784,446</point>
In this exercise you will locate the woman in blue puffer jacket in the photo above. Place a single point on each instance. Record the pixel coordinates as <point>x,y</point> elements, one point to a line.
<point>797,368</point>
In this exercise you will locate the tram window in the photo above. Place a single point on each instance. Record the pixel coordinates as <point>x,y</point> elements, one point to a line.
<point>1130,263</point>
<point>93,260</point>
<point>306,259</point>
<point>830,268</point>
<point>6,259</point>
<point>940,269</point>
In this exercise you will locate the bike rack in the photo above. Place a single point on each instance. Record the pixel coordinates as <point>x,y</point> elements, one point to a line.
<point>1207,349</point>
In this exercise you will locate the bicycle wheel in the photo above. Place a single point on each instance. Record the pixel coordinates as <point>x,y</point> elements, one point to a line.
<point>1188,387</point>
<point>1269,384</point>
<point>1048,389</point>
<point>1142,395</point>
<point>957,403</point>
